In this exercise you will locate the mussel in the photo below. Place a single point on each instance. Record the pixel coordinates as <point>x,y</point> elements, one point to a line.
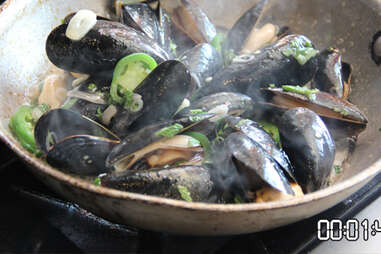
<point>330,77</point>
<point>190,18</point>
<point>240,31</point>
<point>100,49</point>
<point>278,64</point>
<point>190,183</point>
<point>123,153</point>
<point>58,124</point>
<point>73,142</point>
<point>252,130</point>
<point>141,17</point>
<point>203,61</point>
<point>81,154</point>
<point>256,165</point>
<point>337,113</point>
<point>163,91</point>
<point>310,147</point>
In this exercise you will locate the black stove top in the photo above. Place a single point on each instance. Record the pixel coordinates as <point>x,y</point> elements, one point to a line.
<point>35,220</point>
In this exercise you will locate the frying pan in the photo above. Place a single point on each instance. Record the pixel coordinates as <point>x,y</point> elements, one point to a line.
<point>346,24</point>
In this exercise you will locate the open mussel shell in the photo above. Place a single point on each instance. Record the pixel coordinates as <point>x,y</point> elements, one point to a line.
<point>310,147</point>
<point>322,103</point>
<point>164,182</point>
<point>189,18</point>
<point>162,91</point>
<point>241,30</point>
<point>148,135</point>
<point>101,48</point>
<point>256,165</point>
<point>58,124</point>
<point>163,153</point>
<point>252,130</point>
<point>221,104</point>
<point>248,73</point>
<point>82,155</point>
<point>203,61</point>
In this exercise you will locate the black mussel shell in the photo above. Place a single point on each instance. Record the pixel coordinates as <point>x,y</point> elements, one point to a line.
<point>162,91</point>
<point>189,18</point>
<point>375,48</point>
<point>329,75</point>
<point>81,154</point>
<point>203,61</point>
<point>252,130</point>
<point>248,73</point>
<point>241,30</point>
<point>310,147</point>
<point>256,165</point>
<point>101,48</point>
<point>141,17</point>
<point>168,183</point>
<point>58,124</point>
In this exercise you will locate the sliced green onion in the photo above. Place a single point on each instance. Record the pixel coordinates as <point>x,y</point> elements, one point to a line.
<point>97,181</point>
<point>170,131</point>
<point>217,42</point>
<point>204,141</point>
<point>301,49</point>
<point>272,130</point>
<point>300,90</point>
<point>184,193</point>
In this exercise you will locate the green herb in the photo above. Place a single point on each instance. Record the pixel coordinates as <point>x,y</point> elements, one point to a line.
<point>173,47</point>
<point>69,103</point>
<point>342,111</point>
<point>50,138</point>
<point>195,111</point>
<point>92,87</point>
<point>44,108</point>
<point>97,181</point>
<point>170,131</point>
<point>301,90</point>
<point>243,122</point>
<point>204,141</point>
<point>238,200</point>
<point>337,169</point>
<point>301,49</point>
<point>272,85</point>
<point>193,142</point>
<point>128,97</point>
<point>272,130</point>
<point>184,193</point>
<point>195,119</point>
<point>217,42</point>
<point>99,113</point>
<point>177,163</point>
<point>62,21</point>
<point>228,57</point>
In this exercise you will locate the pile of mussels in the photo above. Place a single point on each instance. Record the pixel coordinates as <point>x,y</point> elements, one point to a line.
<point>250,115</point>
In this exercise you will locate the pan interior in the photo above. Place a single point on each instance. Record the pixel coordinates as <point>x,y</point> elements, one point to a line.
<point>346,24</point>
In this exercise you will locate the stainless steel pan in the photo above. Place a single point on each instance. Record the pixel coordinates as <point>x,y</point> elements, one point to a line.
<point>346,24</point>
